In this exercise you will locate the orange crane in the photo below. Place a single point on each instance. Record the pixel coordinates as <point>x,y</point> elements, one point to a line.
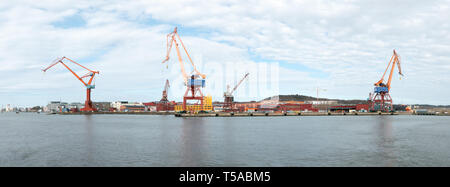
<point>228,95</point>
<point>381,100</point>
<point>194,82</point>
<point>88,107</point>
<point>173,40</point>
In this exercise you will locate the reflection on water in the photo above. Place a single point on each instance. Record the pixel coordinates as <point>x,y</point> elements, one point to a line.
<point>88,138</point>
<point>192,138</point>
<point>385,141</point>
<point>128,140</point>
<point>229,144</point>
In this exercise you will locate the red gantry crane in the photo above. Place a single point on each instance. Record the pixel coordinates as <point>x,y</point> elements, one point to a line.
<point>194,82</point>
<point>88,107</point>
<point>381,99</point>
<point>228,95</point>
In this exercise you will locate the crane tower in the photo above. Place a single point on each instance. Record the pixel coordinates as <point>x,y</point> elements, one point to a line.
<point>228,95</point>
<point>164,98</point>
<point>194,82</point>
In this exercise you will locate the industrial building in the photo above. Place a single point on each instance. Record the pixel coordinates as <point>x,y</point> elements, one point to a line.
<point>55,106</point>
<point>150,107</point>
<point>125,106</point>
<point>58,106</point>
<point>102,106</point>
<point>115,106</point>
<point>137,107</point>
<point>350,108</point>
<point>296,108</point>
<point>75,105</point>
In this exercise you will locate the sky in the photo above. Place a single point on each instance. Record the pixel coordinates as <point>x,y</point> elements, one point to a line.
<point>288,47</point>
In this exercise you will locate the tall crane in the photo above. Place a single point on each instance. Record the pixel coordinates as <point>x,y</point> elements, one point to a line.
<point>196,80</point>
<point>88,107</point>
<point>228,95</point>
<point>381,100</point>
<point>164,98</point>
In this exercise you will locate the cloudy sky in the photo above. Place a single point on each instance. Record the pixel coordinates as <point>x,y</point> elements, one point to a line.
<point>341,46</point>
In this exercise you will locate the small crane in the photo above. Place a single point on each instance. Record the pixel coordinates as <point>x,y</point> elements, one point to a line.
<point>164,98</point>
<point>193,82</point>
<point>381,99</point>
<point>228,95</point>
<point>88,107</point>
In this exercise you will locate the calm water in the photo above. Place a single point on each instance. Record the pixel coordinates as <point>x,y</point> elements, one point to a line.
<point>122,140</point>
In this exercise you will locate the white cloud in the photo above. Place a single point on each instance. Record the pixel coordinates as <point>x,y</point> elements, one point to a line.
<point>350,41</point>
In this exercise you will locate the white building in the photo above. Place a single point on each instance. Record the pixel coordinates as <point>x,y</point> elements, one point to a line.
<point>55,106</point>
<point>75,105</point>
<point>119,105</point>
<point>9,108</point>
<point>116,105</point>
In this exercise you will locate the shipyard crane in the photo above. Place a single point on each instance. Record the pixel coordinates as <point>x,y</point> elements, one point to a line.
<point>88,107</point>
<point>164,98</point>
<point>195,81</point>
<point>228,95</point>
<point>381,100</point>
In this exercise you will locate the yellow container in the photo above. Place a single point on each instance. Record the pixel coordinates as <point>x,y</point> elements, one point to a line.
<point>207,106</point>
<point>178,108</point>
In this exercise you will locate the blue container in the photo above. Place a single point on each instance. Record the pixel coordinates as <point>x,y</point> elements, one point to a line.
<point>196,82</point>
<point>381,89</point>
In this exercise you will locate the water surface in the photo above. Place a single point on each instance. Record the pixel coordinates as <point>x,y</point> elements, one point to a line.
<point>147,140</point>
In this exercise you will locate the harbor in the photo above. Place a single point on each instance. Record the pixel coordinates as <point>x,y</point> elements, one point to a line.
<point>245,84</point>
<point>197,103</point>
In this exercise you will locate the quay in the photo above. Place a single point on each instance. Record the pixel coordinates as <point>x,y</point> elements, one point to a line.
<point>115,113</point>
<point>259,114</point>
<point>249,114</point>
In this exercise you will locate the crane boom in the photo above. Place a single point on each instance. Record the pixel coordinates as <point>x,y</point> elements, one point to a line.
<point>240,82</point>
<point>167,86</point>
<point>173,40</point>
<point>393,61</point>
<point>90,74</point>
